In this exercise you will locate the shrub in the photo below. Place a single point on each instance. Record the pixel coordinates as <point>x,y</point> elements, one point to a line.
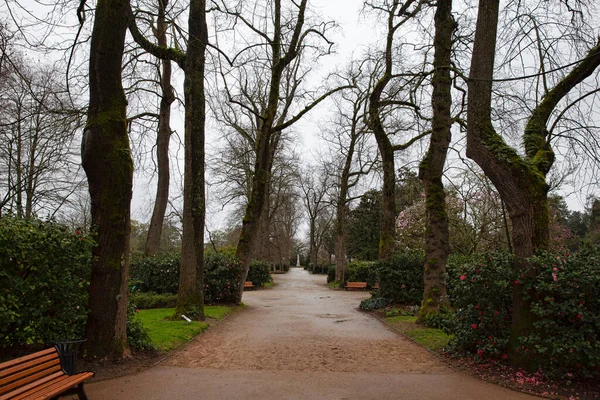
<point>259,273</point>
<point>44,278</point>
<point>152,300</point>
<point>374,303</point>
<point>482,299</point>
<point>137,337</point>
<point>286,268</point>
<point>159,274</point>
<point>362,271</point>
<point>331,274</point>
<point>401,279</point>
<point>222,274</point>
<point>566,336</point>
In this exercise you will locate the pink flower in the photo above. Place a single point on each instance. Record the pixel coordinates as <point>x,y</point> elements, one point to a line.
<point>505,356</point>
<point>474,326</point>
<point>78,232</point>
<point>516,282</point>
<point>463,277</point>
<point>578,316</point>
<point>554,269</point>
<point>554,277</point>
<point>480,352</point>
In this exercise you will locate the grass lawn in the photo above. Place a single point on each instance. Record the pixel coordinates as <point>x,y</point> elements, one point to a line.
<point>167,335</point>
<point>432,339</point>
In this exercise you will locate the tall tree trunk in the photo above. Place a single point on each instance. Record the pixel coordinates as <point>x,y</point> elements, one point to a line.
<point>190,298</point>
<point>341,213</point>
<point>437,238</point>
<point>107,162</point>
<point>162,140</point>
<point>521,181</point>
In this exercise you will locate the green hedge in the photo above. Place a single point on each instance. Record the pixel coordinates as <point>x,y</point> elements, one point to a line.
<point>44,278</point>
<point>152,300</point>
<point>259,273</point>
<point>401,279</point>
<point>363,271</point>
<point>158,274</point>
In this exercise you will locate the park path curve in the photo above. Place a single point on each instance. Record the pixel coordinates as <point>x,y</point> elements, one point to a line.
<point>300,340</point>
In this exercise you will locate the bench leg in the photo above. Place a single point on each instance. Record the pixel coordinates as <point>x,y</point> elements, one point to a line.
<point>81,393</point>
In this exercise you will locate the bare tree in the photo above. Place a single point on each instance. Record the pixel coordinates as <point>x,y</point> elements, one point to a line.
<point>384,95</point>
<point>37,155</point>
<point>520,180</point>
<point>348,159</point>
<point>266,89</point>
<point>314,184</point>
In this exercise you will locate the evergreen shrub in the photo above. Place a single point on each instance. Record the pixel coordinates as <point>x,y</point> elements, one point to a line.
<point>222,274</point>
<point>331,274</point>
<point>44,279</point>
<point>401,279</point>
<point>259,273</point>
<point>362,271</point>
<point>158,274</point>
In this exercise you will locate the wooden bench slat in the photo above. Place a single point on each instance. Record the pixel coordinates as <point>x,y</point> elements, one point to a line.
<point>17,393</point>
<point>27,365</point>
<point>33,374</point>
<point>61,386</point>
<point>27,358</point>
<point>38,376</point>
<point>33,392</point>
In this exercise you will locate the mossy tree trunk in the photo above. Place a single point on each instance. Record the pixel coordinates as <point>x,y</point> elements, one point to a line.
<point>162,140</point>
<point>191,286</point>
<point>437,237</point>
<point>107,162</point>
<point>190,299</point>
<point>521,181</point>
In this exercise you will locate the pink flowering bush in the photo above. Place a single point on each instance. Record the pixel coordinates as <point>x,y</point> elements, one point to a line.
<point>221,277</point>
<point>566,336</point>
<point>565,339</point>
<point>480,293</point>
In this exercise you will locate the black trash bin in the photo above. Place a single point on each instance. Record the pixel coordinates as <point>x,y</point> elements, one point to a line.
<point>67,351</point>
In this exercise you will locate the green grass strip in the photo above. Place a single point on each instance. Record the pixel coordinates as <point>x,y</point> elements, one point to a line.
<point>432,339</point>
<point>168,335</point>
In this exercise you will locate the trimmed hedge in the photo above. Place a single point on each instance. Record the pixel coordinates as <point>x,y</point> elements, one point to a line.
<point>259,273</point>
<point>152,300</point>
<point>44,278</point>
<point>401,279</point>
<point>158,274</point>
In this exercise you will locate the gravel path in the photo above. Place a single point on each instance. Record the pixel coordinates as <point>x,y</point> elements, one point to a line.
<point>300,340</point>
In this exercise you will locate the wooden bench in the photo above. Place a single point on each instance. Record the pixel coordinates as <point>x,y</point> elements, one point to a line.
<point>39,376</point>
<point>356,286</point>
<point>249,285</point>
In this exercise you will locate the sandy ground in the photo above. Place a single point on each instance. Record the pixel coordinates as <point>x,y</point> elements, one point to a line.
<point>300,340</point>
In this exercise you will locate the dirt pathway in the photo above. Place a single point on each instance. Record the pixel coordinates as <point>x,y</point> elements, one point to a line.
<point>300,340</point>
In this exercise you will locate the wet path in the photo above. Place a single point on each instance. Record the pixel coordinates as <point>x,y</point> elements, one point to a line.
<point>300,340</point>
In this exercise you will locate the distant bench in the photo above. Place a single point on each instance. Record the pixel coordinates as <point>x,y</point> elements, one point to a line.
<point>249,285</point>
<point>39,376</point>
<point>359,286</point>
<point>356,286</point>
